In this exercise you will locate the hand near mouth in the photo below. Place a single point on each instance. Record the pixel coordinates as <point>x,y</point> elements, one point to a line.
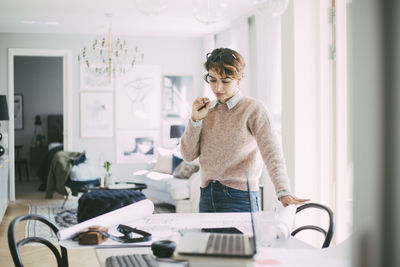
<point>200,108</point>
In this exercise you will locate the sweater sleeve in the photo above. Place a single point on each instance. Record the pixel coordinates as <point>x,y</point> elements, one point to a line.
<point>190,142</point>
<point>260,126</point>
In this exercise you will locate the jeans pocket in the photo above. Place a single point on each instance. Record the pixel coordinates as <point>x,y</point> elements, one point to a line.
<point>236,193</point>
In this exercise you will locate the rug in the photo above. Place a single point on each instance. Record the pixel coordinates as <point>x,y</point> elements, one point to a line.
<point>62,217</point>
<point>65,218</point>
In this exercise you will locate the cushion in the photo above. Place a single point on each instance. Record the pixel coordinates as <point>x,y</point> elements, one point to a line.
<point>80,160</point>
<point>84,172</point>
<point>176,160</point>
<point>185,170</point>
<point>164,161</point>
<point>98,202</point>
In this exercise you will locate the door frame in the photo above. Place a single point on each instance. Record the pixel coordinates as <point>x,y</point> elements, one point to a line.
<point>67,101</point>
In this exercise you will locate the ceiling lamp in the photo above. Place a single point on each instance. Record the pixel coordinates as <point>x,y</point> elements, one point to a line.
<point>271,8</point>
<point>208,11</point>
<point>150,7</point>
<point>108,55</point>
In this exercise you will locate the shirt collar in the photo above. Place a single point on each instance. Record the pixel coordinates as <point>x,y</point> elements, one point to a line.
<point>231,103</point>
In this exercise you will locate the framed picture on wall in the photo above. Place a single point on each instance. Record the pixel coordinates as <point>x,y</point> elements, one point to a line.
<point>96,115</point>
<point>175,89</point>
<point>91,81</point>
<point>138,94</point>
<point>136,146</point>
<point>18,112</point>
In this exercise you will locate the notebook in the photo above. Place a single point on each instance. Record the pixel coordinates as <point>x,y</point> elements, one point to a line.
<point>220,244</point>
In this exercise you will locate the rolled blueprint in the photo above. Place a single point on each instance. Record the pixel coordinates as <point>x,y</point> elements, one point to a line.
<point>285,221</point>
<point>123,215</point>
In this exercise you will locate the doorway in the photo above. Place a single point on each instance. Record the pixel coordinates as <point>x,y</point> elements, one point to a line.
<point>33,137</point>
<point>38,94</point>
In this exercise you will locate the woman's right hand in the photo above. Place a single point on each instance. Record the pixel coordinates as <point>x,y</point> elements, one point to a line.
<point>200,108</point>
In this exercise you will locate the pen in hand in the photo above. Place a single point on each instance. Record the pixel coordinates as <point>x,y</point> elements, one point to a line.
<point>205,104</point>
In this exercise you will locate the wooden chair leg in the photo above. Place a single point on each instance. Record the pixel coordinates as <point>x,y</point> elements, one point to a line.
<point>19,172</point>
<point>27,171</point>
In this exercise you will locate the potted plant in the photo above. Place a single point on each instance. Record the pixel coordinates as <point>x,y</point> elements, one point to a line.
<point>107,178</point>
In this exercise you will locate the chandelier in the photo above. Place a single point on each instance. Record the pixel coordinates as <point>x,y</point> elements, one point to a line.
<point>108,55</point>
<point>271,8</point>
<point>208,11</point>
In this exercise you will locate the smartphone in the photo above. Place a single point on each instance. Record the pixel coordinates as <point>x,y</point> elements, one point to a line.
<point>226,230</point>
<point>223,230</point>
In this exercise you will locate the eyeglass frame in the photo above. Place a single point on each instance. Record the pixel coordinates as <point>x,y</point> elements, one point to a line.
<point>220,56</point>
<point>207,76</point>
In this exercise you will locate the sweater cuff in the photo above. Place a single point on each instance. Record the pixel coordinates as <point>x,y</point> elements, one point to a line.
<point>196,124</point>
<point>282,193</point>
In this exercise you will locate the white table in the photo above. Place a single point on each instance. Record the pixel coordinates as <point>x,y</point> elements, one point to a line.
<point>291,253</point>
<point>103,254</point>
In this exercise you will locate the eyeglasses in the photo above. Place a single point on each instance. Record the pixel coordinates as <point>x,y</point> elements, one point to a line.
<point>225,57</point>
<point>210,79</point>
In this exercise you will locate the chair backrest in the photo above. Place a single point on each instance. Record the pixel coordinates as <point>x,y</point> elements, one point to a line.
<point>331,229</point>
<point>62,258</point>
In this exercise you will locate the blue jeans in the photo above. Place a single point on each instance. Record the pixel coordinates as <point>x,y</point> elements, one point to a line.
<point>217,197</point>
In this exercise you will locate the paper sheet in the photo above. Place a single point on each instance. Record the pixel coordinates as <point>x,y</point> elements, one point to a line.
<point>285,221</point>
<point>138,210</point>
<point>167,225</point>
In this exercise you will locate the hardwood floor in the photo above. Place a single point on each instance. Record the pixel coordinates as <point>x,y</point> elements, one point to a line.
<point>36,255</point>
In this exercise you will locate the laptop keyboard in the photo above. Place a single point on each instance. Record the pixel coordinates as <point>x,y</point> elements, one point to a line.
<point>225,244</point>
<point>137,260</point>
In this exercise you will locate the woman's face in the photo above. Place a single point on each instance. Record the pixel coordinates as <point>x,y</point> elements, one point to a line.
<point>223,87</point>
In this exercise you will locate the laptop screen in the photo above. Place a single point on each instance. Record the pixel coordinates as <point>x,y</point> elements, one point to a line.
<point>252,209</point>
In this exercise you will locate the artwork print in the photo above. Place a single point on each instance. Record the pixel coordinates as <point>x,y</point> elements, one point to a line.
<point>18,112</point>
<point>136,146</point>
<point>96,115</point>
<point>138,94</point>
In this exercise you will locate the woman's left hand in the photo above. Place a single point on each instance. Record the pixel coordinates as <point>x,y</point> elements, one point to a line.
<point>289,200</point>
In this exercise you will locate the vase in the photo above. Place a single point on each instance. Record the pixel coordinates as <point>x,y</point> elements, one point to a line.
<point>108,180</point>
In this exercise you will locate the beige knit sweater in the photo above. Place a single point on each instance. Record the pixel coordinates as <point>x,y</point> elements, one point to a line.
<point>229,143</point>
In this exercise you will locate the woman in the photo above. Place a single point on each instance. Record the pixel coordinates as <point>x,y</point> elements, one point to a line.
<point>228,135</point>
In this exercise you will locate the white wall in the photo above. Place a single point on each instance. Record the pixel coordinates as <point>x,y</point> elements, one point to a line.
<point>176,56</point>
<point>302,73</point>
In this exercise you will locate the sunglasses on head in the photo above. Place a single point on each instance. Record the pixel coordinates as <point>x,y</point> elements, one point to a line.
<point>225,57</point>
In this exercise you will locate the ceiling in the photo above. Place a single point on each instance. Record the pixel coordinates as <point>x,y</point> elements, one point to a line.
<point>88,17</point>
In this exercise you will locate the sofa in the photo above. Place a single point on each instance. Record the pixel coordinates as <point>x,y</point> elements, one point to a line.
<point>171,180</point>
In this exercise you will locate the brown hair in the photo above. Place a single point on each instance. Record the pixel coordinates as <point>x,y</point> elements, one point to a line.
<point>225,61</point>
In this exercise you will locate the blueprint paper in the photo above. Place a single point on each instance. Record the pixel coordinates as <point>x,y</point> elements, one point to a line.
<point>138,210</point>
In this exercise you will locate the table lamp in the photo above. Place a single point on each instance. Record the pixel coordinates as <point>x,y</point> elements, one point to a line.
<point>176,131</point>
<point>3,117</point>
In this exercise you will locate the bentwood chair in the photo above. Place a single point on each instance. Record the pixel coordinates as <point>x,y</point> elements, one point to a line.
<point>331,228</point>
<point>62,258</point>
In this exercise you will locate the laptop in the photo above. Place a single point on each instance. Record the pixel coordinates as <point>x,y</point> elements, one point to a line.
<point>220,244</point>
